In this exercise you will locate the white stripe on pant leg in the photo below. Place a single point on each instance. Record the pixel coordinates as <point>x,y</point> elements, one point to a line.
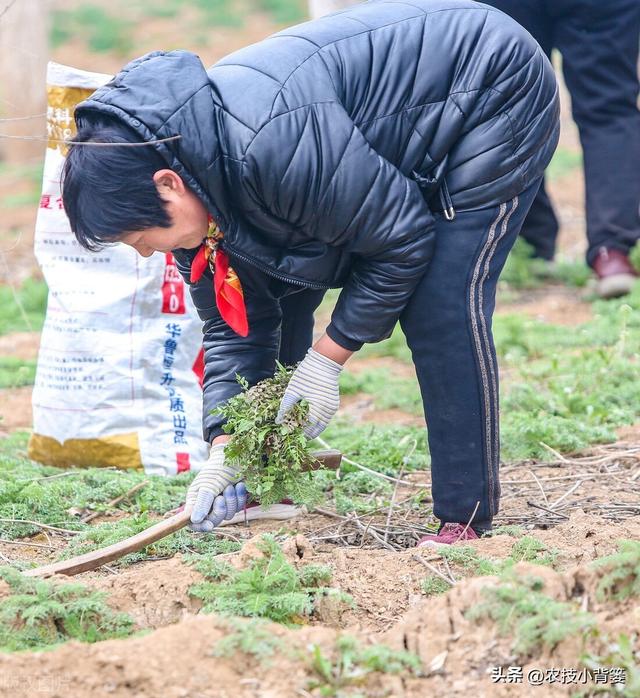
<point>485,332</point>
<point>488,441</point>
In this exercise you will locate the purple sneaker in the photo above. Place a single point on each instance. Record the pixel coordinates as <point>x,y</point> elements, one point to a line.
<point>448,534</point>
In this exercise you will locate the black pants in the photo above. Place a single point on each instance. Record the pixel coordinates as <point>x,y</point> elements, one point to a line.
<point>598,40</point>
<point>447,324</point>
<point>296,334</point>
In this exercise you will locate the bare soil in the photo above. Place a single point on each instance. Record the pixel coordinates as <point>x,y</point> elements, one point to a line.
<point>556,305</point>
<point>15,409</point>
<point>22,345</point>
<point>176,657</point>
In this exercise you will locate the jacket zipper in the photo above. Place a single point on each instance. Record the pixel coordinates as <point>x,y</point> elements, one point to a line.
<point>445,200</point>
<point>267,270</point>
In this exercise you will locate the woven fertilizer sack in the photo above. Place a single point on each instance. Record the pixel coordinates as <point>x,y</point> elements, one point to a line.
<point>118,381</point>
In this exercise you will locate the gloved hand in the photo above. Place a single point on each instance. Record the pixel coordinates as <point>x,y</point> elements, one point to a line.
<point>215,494</point>
<point>316,381</point>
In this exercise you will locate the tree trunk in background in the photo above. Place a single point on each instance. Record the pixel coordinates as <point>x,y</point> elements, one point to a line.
<point>319,8</point>
<point>24,51</point>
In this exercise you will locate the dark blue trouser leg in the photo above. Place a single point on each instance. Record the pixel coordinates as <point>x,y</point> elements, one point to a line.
<point>598,40</point>
<point>296,334</point>
<point>447,324</point>
<point>599,46</point>
<point>540,228</point>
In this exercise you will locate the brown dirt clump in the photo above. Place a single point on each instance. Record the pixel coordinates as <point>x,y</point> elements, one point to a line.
<point>15,409</point>
<point>383,584</point>
<point>172,662</point>
<point>154,594</point>
<point>361,408</point>
<point>21,345</point>
<point>586,536</point>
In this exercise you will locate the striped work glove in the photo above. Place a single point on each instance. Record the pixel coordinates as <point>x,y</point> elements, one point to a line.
<point>215,494</point>
<point>316,381</point>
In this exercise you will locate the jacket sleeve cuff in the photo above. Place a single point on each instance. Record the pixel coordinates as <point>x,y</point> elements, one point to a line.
<point>341,339</point>
<point>210,433</point>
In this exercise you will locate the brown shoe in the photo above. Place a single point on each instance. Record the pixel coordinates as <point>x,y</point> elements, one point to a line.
<point>616,276</point>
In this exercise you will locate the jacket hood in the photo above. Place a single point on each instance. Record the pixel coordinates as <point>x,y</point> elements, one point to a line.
<point>165,94</point>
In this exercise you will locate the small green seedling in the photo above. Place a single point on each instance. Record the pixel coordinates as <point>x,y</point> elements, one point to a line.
<point>522,610</point>
<point>253,637</point>
<point>621,572</point>
<point>270,587</point>
<point>37,614</point>
<point>351,663</point>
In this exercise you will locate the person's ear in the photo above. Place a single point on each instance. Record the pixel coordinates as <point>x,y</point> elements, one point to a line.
<point>169,184</point>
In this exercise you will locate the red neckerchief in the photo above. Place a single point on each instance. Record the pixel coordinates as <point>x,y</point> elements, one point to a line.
<point>226,284</point>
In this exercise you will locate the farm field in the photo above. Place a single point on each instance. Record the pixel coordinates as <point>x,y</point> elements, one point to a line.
<point>337,602</point>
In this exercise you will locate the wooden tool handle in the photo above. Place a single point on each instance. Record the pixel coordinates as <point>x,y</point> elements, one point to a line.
<point>90,561</point>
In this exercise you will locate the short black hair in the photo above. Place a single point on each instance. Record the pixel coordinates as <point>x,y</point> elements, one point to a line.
<point>110,191</point>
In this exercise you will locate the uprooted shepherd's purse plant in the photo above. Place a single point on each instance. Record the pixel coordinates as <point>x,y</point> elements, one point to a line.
<point>272,458</point>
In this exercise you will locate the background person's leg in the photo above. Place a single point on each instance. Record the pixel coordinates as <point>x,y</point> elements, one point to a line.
<point>447,324</point>
<point>296,334</point>
<point>540,228</point>
<point>599,45</point>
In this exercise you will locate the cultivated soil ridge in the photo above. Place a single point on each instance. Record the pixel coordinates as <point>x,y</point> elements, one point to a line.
<point>175,655</point>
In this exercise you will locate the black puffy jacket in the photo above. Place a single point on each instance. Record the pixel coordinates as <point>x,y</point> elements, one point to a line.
<point>320,149</point>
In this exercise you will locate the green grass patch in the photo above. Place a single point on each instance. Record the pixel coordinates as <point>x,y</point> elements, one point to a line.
<point>270,587</point>
<point>284,11</point>
<point>395,347</point>
<point>50,495</point>
<point>620,572</point>
<point>571,400</point>
<point>563,163</point>
<point>523,611</point>
<point>15,373</point>
<point>252,637</point>
<point>335,670</point>
<point>38,614</point>
<point>389,391</point>
<point>381,447</point>
<point>434,585</point>
<point>525,549</point>
<point>23,309</point>
<point>523,271</point>
<point>219,13</point>
<point>182,541</point>
<point>33,492</point>
<point>467,558</point>
<point>512,530</point>
<point>350,662</point>
<point>354,491</point>
<point>621,662</point>
<point>163,9</point>
<point>27,198</point>
<point>103,31</point>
